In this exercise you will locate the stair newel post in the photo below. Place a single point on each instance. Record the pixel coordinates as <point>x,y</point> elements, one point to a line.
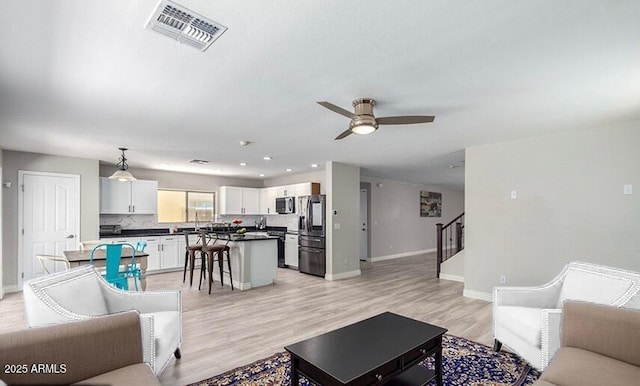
<point>458,237</point>
<point>439,248</point>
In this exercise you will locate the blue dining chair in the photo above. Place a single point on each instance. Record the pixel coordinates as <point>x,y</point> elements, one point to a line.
<point>114,273</point>
<point>133,270</point>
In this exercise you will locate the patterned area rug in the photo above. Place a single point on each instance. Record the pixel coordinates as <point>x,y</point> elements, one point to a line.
<point>465,363</point>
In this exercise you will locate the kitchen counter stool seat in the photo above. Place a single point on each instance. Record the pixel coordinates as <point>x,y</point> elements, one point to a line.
<point>213,253</point>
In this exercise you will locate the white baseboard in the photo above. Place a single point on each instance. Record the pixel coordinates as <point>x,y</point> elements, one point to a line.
<point>242,286</point>
<point>7,289</point>
<point>446,276</point>
<point>401,255</point>
<point>477,295</point>
<point>343,275</point>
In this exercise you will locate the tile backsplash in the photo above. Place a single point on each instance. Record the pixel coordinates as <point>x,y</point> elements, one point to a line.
<point>141,221</point>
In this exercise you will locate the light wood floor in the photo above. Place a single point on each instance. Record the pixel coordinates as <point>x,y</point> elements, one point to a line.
<point>228,328</point>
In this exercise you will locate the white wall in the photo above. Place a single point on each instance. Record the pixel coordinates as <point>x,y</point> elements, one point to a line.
<point>395,223</point>
<point>343,196</point>
<point>13,161</point>
<point>570,205</point>
<point>453,268</point>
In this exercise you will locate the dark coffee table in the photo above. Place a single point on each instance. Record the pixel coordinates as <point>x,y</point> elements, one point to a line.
<point>383,349</point>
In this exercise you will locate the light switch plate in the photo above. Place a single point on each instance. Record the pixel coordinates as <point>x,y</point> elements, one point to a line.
<point>628,189</point>
<point>336,225</point>
<point>514,194</point>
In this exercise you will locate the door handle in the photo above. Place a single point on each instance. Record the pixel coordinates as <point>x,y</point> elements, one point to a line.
<point>71,236</point>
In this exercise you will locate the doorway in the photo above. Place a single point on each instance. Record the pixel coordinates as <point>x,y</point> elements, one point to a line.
<point>364,221</point>
<point>48,219</point>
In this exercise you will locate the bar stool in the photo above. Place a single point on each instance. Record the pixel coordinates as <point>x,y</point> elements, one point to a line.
<point>190,256</point>
<point>216,252</point>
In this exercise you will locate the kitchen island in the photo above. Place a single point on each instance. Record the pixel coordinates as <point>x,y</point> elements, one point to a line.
<point>254,261</point>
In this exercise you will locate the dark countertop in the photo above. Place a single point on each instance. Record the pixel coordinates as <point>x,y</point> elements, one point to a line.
<point>181,231</point>
<point>249,237</point>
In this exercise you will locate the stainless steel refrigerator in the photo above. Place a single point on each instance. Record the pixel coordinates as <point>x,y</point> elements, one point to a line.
<point>311,235</point>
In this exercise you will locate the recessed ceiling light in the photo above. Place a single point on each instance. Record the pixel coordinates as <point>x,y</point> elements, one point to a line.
<point>266,158</point>
<point>314,165</point>
<point>243,164</point>
<point>453,166</point>
<point>164,165</point>
<point>244,143</point>
<point>218,170</point>
<point>289,169</point>
<point>261,174</point>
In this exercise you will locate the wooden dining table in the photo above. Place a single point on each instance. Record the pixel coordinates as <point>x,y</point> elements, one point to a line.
<point>78,258</point>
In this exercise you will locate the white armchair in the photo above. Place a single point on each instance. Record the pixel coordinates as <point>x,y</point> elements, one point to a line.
<point>527,319</point>
<point>81,293</point>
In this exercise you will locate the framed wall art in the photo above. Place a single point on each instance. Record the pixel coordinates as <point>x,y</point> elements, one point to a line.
<point>430,204</point>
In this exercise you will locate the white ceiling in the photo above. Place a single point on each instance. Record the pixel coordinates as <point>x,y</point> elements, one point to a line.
<point>82,78</point>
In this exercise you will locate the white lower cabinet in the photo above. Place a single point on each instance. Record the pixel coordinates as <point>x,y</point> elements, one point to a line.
<point>164,252</point>
<point>153,249</point>
<point>169,254</point>
<point>291,250</point>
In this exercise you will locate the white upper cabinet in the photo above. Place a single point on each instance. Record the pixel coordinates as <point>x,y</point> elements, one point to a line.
<point>144,197</point>
<point>134,197</point>
<point>268,195</point>
<point>268,200</point>
<point>236,200</point>
<point>251,200</point>
<point>303,189</point>
<point>286,191</point>
<point>230,200</point>
<point>115,196</point>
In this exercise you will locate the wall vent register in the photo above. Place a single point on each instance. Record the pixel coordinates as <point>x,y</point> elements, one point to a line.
<point>184,25</point>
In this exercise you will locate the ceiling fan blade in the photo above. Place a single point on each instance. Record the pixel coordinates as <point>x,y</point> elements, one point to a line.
<point>336,109</point>
<point>405,119</point>
<point>344,134</point>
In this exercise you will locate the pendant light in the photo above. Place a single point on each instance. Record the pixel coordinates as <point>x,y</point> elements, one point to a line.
<point>122,174</point>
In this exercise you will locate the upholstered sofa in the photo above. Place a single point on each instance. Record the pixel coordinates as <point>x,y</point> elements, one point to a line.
<point>600,346</point>
<point>527,319</point>
<point>99,351</point>
<point>81,293</point>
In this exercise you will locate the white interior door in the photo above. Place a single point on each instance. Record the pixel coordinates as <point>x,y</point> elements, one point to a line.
<point>50,218</point>
<point>364,223</point>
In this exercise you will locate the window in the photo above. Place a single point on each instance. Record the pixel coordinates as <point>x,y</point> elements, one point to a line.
<point>199,207</point>
<point>185,206</point>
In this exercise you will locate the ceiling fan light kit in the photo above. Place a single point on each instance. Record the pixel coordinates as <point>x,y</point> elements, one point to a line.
<point>364,122</point>
<point>122,174</point>
<point>364,129</point>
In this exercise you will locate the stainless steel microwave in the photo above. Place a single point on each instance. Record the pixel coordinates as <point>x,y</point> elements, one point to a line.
<point>285,205</point>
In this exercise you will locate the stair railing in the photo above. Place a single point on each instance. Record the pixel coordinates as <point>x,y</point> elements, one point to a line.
<point>450,240</point>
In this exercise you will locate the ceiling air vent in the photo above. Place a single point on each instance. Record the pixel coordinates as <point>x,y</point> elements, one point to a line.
<point>198,161</point>
<point>184,25</point>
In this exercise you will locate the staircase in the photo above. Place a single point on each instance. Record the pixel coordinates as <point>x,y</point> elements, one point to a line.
<point>450,240</point>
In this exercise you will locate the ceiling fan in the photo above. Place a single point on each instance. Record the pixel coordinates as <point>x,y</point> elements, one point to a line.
<point>364,122</point>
